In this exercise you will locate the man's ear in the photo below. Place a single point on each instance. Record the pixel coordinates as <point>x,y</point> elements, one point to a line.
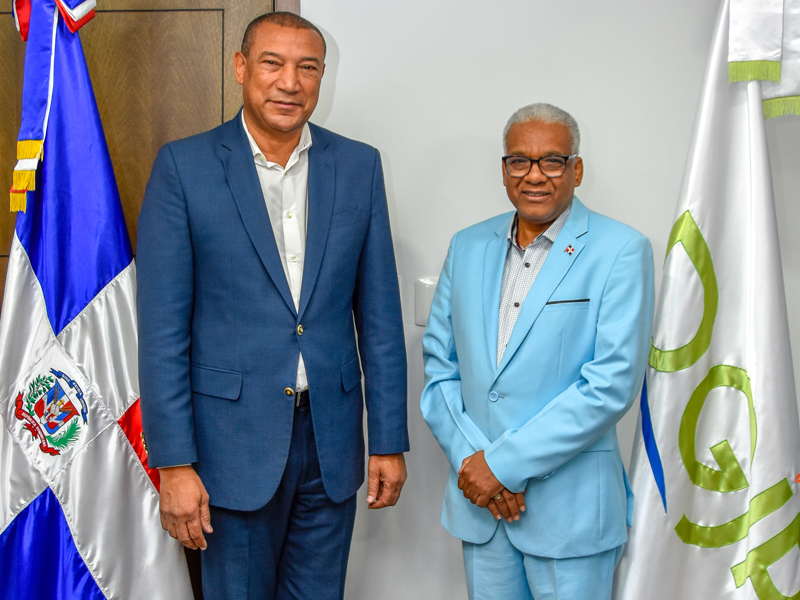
<point>239,65</point>
<point>578,171</point>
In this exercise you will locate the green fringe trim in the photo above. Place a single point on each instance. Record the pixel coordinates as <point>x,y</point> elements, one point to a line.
<point>776,107</point>
<point>765,70</point>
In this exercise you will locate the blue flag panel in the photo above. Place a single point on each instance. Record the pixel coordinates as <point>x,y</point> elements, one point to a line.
<point>37,71</point>
<point>38,558</point>
<point>651,447</point>
<point>73,230</point>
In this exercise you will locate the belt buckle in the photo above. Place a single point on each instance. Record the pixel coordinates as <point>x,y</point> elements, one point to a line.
<point>301,399</point>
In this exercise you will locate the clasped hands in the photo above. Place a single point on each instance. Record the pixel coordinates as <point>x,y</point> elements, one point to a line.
<point>482,488</point>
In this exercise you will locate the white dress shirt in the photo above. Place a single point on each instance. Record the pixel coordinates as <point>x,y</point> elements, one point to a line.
<point>285,193</point>
<point>520,271</point>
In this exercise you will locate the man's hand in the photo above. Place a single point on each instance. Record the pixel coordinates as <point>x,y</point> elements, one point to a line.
<point>386,475</point>
<point>508,506</point>
<point>184,506</point>
<point>477,481</point>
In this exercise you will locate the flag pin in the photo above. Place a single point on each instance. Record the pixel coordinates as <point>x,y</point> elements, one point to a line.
<point>569,249</point>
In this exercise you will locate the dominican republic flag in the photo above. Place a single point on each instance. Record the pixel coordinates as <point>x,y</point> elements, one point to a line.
<point>717,455</point>
<point>78,507</point>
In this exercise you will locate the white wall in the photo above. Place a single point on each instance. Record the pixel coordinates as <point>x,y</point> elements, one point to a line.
<point>431,84</point>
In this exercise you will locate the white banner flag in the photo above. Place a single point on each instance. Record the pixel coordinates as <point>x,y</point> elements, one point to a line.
<point>716,457</point>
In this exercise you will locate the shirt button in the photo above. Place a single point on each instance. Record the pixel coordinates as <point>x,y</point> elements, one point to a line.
<point>516,304</point>
<point>299,330</point>
<point>288,391</point>
<point>493,396</point>
<point>527,265</point>
<point>293,258</point>
<point>289,215</point>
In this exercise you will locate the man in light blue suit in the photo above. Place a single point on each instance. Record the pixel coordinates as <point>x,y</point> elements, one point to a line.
<point>264,249</point>
<point>535,347</point>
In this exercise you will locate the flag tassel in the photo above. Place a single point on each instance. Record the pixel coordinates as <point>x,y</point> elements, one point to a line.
<point>30,149</point>
<point>24,180</point>
<point>19,200</point>
<point>29,153</point>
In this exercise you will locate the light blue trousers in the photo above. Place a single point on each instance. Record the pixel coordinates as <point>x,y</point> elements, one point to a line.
<point>497,569</point>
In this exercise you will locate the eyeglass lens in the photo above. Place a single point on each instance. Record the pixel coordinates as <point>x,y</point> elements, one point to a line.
<point>519,166</point>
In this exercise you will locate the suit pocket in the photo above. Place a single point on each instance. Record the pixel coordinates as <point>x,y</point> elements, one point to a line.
<point>578,304</point>
<point>351,375</point>
<point>348,217</point>
<point>218,383</point>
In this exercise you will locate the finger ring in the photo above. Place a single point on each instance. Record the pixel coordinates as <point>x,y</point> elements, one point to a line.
<point>498,496</point>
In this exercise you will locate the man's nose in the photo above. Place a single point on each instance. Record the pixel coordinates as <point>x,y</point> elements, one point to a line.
<point>288,80</point>
<point>535,175</point>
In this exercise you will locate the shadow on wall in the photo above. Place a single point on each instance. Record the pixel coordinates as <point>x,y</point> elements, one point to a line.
<point>328,89</point>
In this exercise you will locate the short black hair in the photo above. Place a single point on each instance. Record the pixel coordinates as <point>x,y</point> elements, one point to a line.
<point>282,19</point>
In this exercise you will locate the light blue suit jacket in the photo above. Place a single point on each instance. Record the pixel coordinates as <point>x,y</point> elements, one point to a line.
<point>546,415</point>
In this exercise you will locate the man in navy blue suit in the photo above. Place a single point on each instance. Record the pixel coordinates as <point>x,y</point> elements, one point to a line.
<point>265,272</point>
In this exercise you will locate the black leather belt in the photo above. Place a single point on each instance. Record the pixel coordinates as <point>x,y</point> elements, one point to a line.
<point>301,399</point>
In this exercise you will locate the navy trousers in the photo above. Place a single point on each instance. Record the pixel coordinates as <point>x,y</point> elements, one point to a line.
<point>296,547</point>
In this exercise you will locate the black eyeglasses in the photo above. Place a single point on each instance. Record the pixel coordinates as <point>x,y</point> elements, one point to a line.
<point>550,166</point>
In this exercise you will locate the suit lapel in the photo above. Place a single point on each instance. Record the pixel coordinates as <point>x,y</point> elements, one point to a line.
<point>556,265</point>
<point>494,259</point>
<point>321,195</point>
<point>246,189</point>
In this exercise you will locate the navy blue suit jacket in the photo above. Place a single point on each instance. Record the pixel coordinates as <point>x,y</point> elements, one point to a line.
<point>219,335</point>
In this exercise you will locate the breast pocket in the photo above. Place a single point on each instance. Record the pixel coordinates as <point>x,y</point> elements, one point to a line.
<point>348,217</point>
<point>566,329</point>
<point>575,304</point>
<point>565,317</point>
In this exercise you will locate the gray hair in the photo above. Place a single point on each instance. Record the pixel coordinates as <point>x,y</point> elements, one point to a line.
<point>546,113</point>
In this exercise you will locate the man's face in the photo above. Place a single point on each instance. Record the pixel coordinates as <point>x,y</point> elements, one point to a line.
<point>280,77</point>
<point>539,200</point>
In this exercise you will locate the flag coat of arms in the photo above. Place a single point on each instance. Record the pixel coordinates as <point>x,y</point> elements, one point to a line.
<point>717,455</point>
<point>79,511</point>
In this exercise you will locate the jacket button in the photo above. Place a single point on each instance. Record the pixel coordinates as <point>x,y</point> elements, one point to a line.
<point>299,330</point>
<point>493,396</point>
<point>288,391</point>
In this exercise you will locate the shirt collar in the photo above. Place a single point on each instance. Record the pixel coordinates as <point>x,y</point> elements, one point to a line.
<point>302,145</point>
<point>551,233</point>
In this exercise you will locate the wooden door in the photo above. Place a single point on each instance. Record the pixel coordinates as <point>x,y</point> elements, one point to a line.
<point>161,70</point>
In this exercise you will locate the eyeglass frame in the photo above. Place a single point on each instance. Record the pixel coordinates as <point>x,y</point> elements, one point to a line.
<point>566,157</point>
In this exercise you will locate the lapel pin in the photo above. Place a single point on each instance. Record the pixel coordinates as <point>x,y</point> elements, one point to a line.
<point>569,249</point>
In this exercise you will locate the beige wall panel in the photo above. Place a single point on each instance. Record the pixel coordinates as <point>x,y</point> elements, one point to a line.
<point>236,15</point>
<point>161,70</point>
<point>12,51</point>
<point>165,85</point>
